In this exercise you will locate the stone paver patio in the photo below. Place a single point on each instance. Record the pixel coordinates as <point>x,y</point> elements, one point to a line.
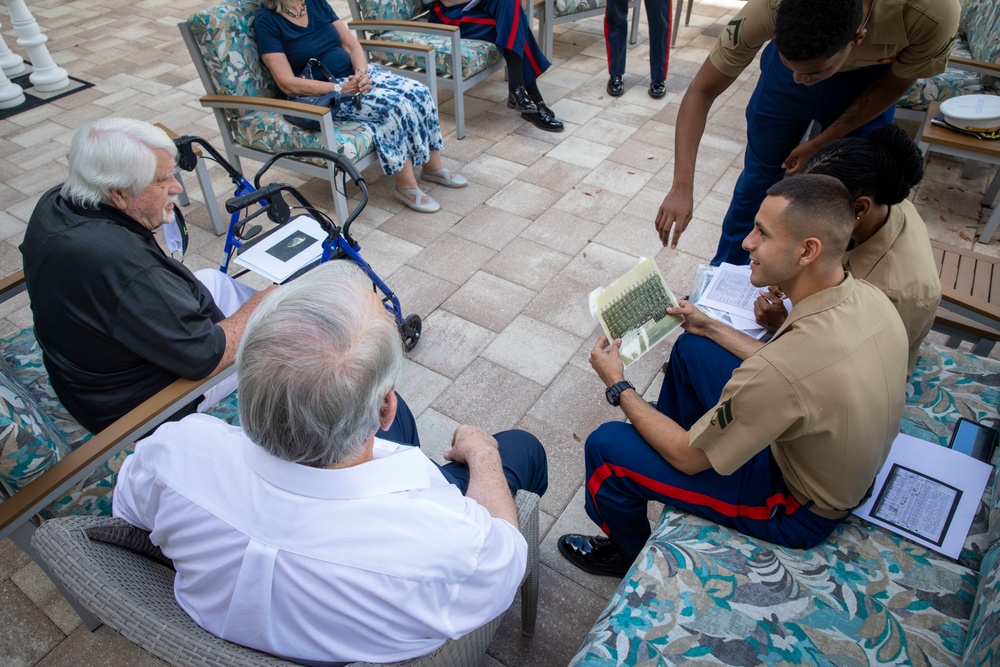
<point>501,275</point>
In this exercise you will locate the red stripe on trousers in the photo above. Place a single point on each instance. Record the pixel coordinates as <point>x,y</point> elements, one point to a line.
<point>759,513</point>
<point>464,19</point>
<point>513,29</point>
<point>607,44</point>
<point>531,61</point>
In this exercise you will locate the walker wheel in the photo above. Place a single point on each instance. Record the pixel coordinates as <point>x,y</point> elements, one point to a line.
<point>410,331</point>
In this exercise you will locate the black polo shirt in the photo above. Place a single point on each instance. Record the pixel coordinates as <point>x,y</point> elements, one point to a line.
<point>116,318</point>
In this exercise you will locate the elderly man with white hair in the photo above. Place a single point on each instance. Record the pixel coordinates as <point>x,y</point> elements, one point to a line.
<point>303,533</point>
<point>116,318</point>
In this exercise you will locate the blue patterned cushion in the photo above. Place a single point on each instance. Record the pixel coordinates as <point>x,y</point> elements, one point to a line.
<point>567,7</point>
<point>265,131</point>
<point>24,356</point>
<point>709,594</point>
<point>225,37</point>
<point>952,82</point>
<point>477,55</point>
<point>38,431</point>
<point>29,442</point>
<point>864,596</point>
<point>983,647</point>
<point>391,10</point>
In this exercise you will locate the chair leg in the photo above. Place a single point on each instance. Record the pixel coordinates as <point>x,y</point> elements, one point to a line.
<point>182,198</point>
<point>992,191</point>
<point>635,24</point>
<point>677,22</point>
<point>22,538</point>
<point>687,17</point>
<point>219,222</point>
<point>529,588</point>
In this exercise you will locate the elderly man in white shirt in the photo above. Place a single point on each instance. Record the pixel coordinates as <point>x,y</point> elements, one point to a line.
<point>302,534</point>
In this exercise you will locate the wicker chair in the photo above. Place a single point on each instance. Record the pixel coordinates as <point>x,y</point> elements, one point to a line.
<point>115,572</point>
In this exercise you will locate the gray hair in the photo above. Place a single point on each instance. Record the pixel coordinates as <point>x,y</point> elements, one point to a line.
<point>113,154</point>
<point>315,364</point>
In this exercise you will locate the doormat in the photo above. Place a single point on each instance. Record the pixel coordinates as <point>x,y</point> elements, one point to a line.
<point>34,98</point>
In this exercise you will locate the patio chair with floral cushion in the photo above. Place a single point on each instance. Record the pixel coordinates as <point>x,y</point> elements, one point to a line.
<point>551,13</point>
<point>249,107</point>
<point>973,67</point>
<point>50,465</point>
<point>460,63</point>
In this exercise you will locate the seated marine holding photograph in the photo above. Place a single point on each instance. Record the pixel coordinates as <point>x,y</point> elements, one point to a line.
<point>305,533</point>
<point>400,111</point>
<point>792,445</point>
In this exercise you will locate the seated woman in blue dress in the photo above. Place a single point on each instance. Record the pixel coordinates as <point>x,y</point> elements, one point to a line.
<point>400,112</point>
<point>504,23</point>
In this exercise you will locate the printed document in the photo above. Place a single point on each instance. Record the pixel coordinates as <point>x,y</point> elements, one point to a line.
<point>928,494</point>
<point>284,250</point>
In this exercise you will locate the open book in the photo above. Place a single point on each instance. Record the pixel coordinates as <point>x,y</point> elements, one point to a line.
<point>633,308</point>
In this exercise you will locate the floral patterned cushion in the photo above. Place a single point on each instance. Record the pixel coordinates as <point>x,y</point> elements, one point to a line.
<point>391,10</point>
<point>266,131</point>
<point>37,431</point>
<point>980,25</point>
<point>567,7</point>
<point>712,595</point>
<point>702,592</point>
<point>22,354</point>
<point>952,82</point>
<point>983,646</point>
<point>477,55</point>
<point>29,441</point>
<point>225,37</point>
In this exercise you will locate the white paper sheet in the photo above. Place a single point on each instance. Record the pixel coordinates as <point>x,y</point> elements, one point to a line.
<point>285,249</point>
<point>931,496</point>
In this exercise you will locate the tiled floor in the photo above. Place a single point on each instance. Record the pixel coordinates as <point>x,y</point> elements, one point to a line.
<point>500,275</point>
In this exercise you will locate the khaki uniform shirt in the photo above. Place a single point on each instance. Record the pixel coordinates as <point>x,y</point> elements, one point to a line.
<point>826,392</point>
<point>898,260</point>
<point>914,35</point>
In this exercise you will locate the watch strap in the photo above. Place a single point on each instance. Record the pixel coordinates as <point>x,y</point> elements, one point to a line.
<point>613,393</point>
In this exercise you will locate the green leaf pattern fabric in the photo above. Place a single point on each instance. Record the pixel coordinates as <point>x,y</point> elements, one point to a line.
<point>707,595</point>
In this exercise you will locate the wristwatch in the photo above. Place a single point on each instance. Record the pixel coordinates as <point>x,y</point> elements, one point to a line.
<point>336,88</point>
<point>614,392</point>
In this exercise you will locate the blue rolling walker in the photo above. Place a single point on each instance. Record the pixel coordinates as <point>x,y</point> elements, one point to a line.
<point>338,243</point>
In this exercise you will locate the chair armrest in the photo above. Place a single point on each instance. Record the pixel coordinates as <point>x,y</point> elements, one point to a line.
<point>262,104</point>
<point>141,420</point>
<point>12,285</point>
<point>980,66</point>
<point>969,306</point>
<point>412,26</point>
<point>383,45</point>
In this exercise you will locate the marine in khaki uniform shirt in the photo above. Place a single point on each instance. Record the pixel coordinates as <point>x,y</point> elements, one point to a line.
<point>847,94</point>
<point>898,260</point>
<point>827,394</point>
<point>794,437</point>
<point>913,35</point>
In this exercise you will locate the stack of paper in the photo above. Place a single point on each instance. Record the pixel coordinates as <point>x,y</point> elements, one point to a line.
<point>726,294</point>
<point>284,250</point>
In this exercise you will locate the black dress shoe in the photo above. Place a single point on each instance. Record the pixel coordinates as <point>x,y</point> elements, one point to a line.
<point>658,89</point>
<point>616,86</point>
<point>544,119</point>
<point>596,555</point>
<point>519,100</point>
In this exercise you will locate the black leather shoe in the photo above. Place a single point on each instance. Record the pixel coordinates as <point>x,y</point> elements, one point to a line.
<point>596,555</point>
<point>519,100</point>
<point>658,89</point>
<point>544,119</point>
<point>616,86</point>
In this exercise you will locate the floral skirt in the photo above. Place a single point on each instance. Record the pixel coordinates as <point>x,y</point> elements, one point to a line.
<point>403,117</point>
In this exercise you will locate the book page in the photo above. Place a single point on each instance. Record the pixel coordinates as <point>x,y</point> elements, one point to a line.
<point>633,308</point>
